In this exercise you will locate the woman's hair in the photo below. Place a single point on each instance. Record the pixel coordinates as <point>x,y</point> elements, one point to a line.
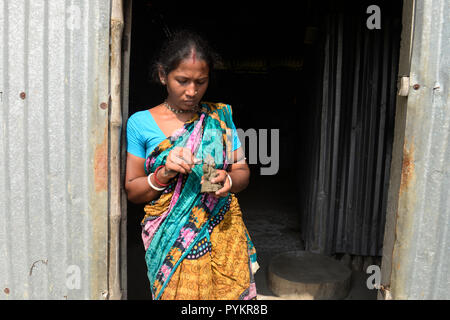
<point>178,47</point>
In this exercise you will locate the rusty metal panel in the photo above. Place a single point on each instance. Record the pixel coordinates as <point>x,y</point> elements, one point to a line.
<point>420,258</point>
<point>54,75</point>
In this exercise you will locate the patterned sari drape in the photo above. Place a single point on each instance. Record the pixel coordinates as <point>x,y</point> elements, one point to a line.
<point>197,246</point>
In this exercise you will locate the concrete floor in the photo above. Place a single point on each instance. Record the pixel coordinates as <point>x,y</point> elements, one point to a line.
<point>274,226</point>
<point>272,222</point>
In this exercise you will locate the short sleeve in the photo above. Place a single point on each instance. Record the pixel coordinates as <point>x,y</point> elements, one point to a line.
<point>135,143</point>
<point>236,141</point>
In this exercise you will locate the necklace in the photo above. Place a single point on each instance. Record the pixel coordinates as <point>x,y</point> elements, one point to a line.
<point>195,108</point>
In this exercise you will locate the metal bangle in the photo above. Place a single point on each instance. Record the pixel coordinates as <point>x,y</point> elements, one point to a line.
<point>229,179</point>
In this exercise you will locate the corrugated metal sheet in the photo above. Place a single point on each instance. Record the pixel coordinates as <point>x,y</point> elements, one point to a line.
<point>351,135</point>
<point>420,259</point>
<point>54,75</point>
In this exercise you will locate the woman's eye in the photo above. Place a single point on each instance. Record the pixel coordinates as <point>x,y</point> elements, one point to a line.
<point>182,81</point>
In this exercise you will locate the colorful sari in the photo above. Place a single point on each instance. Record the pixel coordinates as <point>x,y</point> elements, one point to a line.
<point>197,246</point>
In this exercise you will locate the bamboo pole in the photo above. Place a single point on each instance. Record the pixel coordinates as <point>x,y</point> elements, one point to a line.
<point>125,84</point>
<point>117,23</point>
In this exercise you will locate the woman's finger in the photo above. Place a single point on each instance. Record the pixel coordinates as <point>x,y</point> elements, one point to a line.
<point>180,162</point>
<point>179,153</point>
<point>222,192</point>
<point>220,177</point>
<point>186,167</point>
<point>197,161</point>
<point>186,155</point>
<point>178,167</point>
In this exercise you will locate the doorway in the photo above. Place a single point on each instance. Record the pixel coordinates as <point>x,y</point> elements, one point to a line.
<point>272,76</point>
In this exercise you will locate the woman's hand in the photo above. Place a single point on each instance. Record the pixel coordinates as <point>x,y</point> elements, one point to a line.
<point>221,177</point>
<point>179,160</point>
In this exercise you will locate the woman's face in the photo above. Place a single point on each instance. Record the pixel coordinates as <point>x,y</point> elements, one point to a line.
<point>187,84</point>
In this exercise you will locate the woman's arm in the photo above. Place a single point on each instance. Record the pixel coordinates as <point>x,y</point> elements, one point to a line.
<point>240,175</point>
<point>239,172</point>
<point>136,184</point>
<point>139,191</point>
<point>179,160</point>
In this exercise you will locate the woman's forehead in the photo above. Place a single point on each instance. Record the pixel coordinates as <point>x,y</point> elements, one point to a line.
<point>189,67</point>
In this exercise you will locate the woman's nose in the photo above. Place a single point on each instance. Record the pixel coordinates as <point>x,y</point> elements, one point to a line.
<point>191,91</point>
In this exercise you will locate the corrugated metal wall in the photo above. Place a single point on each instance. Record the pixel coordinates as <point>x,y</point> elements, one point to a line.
<point>54,75</point>
<point>420,256</point>
<point>351,135</point>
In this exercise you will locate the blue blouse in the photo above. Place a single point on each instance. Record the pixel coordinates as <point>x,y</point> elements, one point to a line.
<point>143,134</point>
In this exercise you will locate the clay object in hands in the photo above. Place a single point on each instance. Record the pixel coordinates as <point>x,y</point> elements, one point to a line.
<point>210,172</point>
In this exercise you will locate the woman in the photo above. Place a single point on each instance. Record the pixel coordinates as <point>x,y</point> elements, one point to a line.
<point>197,246</point>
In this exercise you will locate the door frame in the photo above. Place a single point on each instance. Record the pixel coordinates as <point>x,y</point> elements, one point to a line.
<point>397,150</point>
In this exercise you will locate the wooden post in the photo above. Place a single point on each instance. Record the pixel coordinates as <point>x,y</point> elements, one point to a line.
<point>117,23</point>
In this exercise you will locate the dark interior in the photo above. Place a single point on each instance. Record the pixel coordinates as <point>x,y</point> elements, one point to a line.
<point>271,60</point>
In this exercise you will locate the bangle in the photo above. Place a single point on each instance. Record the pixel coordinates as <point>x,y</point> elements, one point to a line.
<point>229,179</point>
<point>151,184</point>
<point>156,177</point>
